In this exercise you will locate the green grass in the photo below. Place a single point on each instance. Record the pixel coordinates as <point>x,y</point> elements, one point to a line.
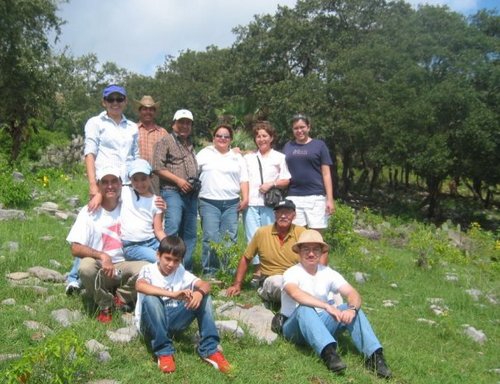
<point>416,352</point>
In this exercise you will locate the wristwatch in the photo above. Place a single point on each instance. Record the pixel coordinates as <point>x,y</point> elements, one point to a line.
<point>353,307</point>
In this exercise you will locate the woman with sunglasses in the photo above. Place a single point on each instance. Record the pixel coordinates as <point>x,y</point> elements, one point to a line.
<point>311,187</point>
<point>110,141</point>
<point>110,138</point>
<point>224,193</point>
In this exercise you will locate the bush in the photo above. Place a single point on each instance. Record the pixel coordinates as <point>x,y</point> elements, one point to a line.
<point>340,233</point>
<point>60,359</point>
<point>433,246</point>
<point>13,193</point>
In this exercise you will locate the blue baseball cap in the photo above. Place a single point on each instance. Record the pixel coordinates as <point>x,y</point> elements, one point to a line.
<point>113,88</point>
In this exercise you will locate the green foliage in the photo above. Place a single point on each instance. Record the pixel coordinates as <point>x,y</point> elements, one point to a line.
<point>433,246</point>
<point>13,193</point>
<point>229,254</point>
<point>340,234</point>
<point>61,359</point>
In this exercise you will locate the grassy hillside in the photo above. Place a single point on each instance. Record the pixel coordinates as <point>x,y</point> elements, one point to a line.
<point>420,346</point>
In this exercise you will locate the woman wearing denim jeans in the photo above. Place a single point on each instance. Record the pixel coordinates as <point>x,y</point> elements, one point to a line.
<point>224,193</point>
<point>266,169</point>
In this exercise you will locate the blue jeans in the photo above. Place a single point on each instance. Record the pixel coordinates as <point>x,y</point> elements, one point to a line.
<point>218,218</point>
<point>74,275</point>
<point>307,327</point>
<point>141,250</point>
<point>255,217</point>
<point>159,323</point>
<point>180,220</point>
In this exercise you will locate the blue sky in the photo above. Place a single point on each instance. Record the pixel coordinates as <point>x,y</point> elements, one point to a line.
<point>139,34</point>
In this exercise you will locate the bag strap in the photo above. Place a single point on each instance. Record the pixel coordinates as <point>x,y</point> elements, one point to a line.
<point>260,170</point>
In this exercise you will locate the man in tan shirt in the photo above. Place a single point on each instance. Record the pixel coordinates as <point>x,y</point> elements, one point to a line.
<point>274,245</point>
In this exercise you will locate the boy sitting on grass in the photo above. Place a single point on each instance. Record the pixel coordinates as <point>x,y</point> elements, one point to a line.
<point>169,299</point>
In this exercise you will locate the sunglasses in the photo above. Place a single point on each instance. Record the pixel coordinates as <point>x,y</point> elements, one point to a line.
<point>225,137</point>
<point>115,99</point>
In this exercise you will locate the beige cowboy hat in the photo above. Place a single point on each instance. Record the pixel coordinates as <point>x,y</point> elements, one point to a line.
<point>310,236</point>
<point>146,101</point>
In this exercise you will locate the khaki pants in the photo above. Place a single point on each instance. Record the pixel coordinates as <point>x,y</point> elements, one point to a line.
<point>101,288</point>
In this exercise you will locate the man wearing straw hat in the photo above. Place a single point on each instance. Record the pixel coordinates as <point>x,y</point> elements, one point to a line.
<point>149,133</point>
<point>309,316</point>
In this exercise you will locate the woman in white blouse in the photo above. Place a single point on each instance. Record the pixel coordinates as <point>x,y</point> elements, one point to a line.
<point>272,172</point>
<point>224,193</point>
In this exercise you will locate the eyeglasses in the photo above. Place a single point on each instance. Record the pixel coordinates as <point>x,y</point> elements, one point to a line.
<point>225,137</point>
<point>115,99</point>
<point>308,250</point>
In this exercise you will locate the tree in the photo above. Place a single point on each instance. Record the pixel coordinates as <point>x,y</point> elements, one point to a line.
<point>25,65</point>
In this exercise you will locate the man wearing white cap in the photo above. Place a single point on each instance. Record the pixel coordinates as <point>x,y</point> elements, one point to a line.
<point>174,161</point>
<point>95,239</point>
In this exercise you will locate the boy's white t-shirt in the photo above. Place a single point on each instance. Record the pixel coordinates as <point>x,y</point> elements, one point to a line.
<point>99,230</point>
<point>137,216</point>
<point>178,280</point>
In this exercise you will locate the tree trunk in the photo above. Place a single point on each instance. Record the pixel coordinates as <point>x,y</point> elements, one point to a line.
<point>373,181</point>
<point>433,184</point>
<point>346,182</point>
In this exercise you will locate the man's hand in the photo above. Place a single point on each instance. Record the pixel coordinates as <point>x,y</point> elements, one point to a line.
<point>347,316</point>
<point>336,313</point>
<point>107,265</point>
<point>184,185</point>
<point>233,290</point>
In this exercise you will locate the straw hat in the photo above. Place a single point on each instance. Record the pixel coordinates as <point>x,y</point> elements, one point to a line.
<point>146,101</point>
<point>310,236</point>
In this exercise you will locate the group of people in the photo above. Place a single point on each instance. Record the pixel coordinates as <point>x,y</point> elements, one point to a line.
<point>133,242</point>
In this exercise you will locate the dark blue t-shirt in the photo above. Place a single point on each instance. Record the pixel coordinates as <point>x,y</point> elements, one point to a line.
<point>304,162</point>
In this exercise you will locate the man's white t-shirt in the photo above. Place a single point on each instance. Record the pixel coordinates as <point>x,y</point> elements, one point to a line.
<point>137,216</point>
<point>319,285</point>
<point>176,281</point>
<point>99,230</point>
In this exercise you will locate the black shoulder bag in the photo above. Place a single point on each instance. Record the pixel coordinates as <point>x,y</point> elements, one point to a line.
<point>274,195</point>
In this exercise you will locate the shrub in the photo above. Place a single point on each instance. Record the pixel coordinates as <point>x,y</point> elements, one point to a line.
<point>340,233</point>
<point>13,193</point>
<point>60,359</point>
<point>432,246</point>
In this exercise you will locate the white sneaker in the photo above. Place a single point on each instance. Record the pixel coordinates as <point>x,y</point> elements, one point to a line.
<point>73,288</point>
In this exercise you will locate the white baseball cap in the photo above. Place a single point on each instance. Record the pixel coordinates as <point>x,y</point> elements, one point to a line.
<point>139,166</point>
<point>183,114</point>
<point>108,170</point>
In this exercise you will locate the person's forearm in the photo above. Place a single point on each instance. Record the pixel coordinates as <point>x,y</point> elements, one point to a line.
<point>81,251</point>
<point>241,271</point>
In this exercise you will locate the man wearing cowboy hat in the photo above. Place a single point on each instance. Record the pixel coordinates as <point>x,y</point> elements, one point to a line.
<point>312,319</point>
<point>149,132</point>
